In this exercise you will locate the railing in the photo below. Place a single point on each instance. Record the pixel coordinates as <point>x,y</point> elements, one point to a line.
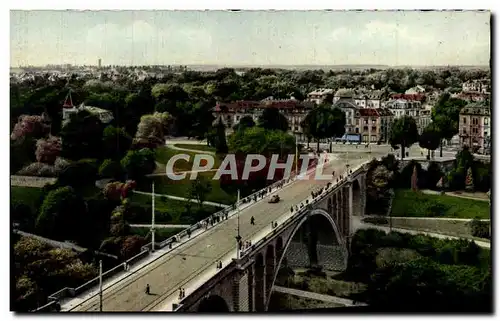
<point>146,249</point>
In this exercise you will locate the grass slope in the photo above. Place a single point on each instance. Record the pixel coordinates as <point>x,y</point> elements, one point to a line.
<point>410,204</point>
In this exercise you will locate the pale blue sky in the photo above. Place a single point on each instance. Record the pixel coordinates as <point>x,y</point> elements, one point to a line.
<point>255,38</point>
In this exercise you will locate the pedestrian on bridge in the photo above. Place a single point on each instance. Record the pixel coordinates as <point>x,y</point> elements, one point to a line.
<point>252,220</point>
<point>147,289</point>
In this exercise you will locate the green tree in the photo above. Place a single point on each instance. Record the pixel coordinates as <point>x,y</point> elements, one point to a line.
<point>61,213</point>
<point>199,189</point>
<point>447,129</point>
<point>404,133</point>
<point>273,119</point>
<point>111,169</point>
<point>138,163</point>
<point>324,122</point>
<point>219,139</point>
<point>115,142</point>
<point>82,136</point>
<point>244,123</point>
<point>82,173</point>
<point>430,139</point>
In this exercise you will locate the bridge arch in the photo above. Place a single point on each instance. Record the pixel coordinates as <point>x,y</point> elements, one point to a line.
<point>357,206</point>
<point>259,282</point>
<point>213,303</point>
<point>282,256</point>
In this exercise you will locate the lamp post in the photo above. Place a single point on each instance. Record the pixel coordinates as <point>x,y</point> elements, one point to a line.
<point>238,236</point>
<point>100,285</point>
<point>153,219</point>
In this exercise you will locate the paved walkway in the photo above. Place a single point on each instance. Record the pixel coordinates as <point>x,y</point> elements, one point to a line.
<point>178,198</point>
<point>431,192</point>
<point>161,225</point>
<point>30,181</point>
<point>316,296</point>
<point>425,218</point>
<point>172,145</point>
<point>363,225</point>
<point>180,172</point>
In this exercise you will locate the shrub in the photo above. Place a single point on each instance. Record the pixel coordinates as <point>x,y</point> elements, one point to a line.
<point>480,229</point>
<point>456,179</point>
<point>433,175</point>
<point>80,173</point>
<point>111,169</point>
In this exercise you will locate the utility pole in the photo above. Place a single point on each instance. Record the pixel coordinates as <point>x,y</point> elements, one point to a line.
<point>238,237</point>
<point>153,220</point>
<point>100,285</point>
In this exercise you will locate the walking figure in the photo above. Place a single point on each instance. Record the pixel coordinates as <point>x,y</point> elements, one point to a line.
<point>147,289</point>
<point>252,220</point>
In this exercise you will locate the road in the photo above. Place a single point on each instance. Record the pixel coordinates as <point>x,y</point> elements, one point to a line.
<point>181,266</point>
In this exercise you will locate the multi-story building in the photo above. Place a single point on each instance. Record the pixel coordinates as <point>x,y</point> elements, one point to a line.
<point>361,98</point>
<point>472,96</point>
<point>475,127</point>
<point>348,106</point>
<point>404,107</point>
<point>368,99</point>
<point>423,120</point>
<point>295,111</point>
<point>415,90</point>
<point>319,95</point>
<point>478,86</point>
<point>373,124</point>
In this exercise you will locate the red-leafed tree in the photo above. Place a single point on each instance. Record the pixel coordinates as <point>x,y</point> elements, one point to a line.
<point>48,149</point>
<point>469,182</point>
<point>118,190</point>
<point>131,246</point>
<point>29,125</point>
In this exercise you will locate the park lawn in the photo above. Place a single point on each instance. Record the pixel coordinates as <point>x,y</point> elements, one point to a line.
<point>200,147</point>
<point>407,203</point>
<point>26,195</point>
<point>164,185</point>
<point>164,154</point>
<point>161,233</point>
<point>169,211</point>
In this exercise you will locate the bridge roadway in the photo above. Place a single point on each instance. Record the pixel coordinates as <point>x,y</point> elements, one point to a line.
<point>192,263</point>
<point>186,263</point>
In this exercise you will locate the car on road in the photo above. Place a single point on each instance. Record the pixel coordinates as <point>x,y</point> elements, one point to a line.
<point>274,199</point>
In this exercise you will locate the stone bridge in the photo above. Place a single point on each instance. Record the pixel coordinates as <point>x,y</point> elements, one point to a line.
<point>318,235</point>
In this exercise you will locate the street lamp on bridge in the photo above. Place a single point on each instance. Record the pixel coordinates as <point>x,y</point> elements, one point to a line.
<point>238,236</point>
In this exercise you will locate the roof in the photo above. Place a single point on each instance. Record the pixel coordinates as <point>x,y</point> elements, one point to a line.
<point>368,112</point>
<point>345,93</point>
<point>414,97</point>
<point>321,91</point>
<point>478,109</point>
<point>345,103</point>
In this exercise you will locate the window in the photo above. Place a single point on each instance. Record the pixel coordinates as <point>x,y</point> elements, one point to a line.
<point>366,121</point>
<point>486,120</point>
<point>357,121</point>
<point>374,128</point>
<point>357,130</point>
<point>464,120</point>
<point>374,121</point>
<point>365,128</point>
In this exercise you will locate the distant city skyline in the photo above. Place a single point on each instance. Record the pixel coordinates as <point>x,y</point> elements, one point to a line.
<point>393,38</point>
